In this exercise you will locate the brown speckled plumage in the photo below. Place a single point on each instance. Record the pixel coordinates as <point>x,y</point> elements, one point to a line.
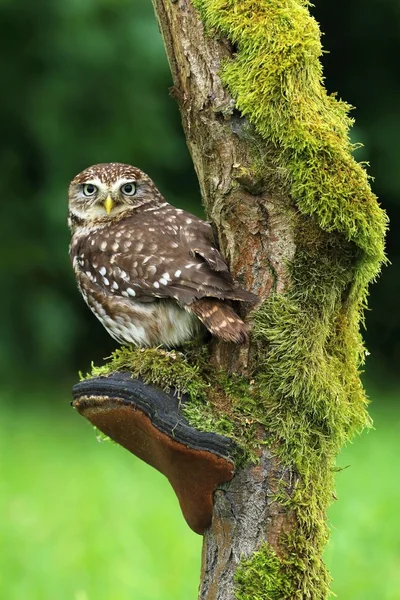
<point>147,270</point>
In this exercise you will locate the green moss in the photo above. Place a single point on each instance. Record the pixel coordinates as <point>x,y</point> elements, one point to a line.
<point>167,370</point>
<point>311,349</point>
<point>262,572</point>
<point>305,388</point>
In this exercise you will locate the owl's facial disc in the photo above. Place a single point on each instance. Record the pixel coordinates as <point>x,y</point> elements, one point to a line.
<point>109,191</point>
<point>95,199</point>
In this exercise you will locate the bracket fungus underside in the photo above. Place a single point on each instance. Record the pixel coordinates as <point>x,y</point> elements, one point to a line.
<point>149,423</point>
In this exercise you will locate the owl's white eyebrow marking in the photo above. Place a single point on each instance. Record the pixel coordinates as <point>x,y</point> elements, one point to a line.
<point>121,182</point>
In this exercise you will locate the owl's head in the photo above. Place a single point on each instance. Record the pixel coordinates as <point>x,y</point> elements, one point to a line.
<point>107,192</point>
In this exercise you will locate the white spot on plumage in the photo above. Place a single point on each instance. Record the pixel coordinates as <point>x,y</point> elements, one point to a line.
<point>102,270</point>
<point>115,285</point>
<point>156,207</point>
<point>190,265</point>
<point>105,280</point>
<point>124,293</point>
<point>131,292</point>
<point>103,246</point>
<point>163,281</point>
<point>188,221</point>
<point>156,284</point>
<point>167,276</point>
<point>115,246</point>
<point>178,273</point>
<point>139,247</point>
<point>124,275</point>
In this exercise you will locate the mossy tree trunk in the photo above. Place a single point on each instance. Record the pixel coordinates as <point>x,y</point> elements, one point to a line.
<point>300,227</point>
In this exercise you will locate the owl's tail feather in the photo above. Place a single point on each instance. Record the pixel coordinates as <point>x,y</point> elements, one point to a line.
<point>220,319</point>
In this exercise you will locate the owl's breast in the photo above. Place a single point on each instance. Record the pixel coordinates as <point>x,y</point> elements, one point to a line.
<point>145,324</point>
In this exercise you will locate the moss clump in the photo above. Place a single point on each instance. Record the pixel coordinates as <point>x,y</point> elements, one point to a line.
<point>276,81</point>
<point>167,370</point>
<point>262,572</point>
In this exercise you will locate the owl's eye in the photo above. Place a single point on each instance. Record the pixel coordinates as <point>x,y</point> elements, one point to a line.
<point>89,189</point>
<point>129,189</point>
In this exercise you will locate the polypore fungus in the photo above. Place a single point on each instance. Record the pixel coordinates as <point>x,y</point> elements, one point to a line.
<point>149,423</point>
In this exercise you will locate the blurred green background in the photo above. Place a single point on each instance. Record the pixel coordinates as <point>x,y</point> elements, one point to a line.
<point>86,81</point>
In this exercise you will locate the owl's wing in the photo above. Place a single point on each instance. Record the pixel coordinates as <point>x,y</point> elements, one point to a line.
<point>175,260</point>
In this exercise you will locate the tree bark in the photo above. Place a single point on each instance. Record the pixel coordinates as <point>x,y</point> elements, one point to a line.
<point>255,233</point>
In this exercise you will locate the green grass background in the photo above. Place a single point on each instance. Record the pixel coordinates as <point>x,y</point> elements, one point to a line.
<point>83,520</point>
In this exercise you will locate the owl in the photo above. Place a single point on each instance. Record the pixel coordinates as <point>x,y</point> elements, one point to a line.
<point>150,272</point>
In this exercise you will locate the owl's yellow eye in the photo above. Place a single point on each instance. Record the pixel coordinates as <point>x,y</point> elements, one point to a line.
<point>129,189</point>
<point>89,189</point>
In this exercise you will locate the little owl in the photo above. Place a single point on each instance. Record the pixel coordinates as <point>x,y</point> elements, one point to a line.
<point>148,271</point>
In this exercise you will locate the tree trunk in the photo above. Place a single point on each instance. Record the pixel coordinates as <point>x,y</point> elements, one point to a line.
<point>255,233</point>
<point>260,543</point>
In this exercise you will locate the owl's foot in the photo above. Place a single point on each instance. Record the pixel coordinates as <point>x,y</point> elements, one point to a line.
<point>149,423</point>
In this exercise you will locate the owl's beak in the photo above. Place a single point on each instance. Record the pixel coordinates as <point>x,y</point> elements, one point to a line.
<point>108,204</point>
